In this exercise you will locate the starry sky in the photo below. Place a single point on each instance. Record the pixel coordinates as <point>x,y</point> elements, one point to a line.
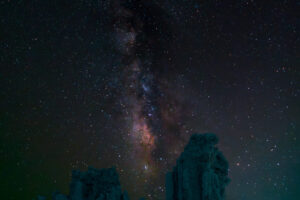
<point>125,83</point>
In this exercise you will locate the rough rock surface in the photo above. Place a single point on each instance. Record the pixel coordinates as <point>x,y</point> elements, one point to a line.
<point>201,172</point>
<point>94,184</point>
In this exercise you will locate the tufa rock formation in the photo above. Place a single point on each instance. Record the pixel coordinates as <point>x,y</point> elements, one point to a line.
<point>94,184</point>
<point>201,172</point>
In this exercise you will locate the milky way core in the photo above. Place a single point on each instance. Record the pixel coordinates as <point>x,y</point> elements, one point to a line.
<point>145,96</point>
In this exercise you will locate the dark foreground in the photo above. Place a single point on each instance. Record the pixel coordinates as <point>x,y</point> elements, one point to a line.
<point>201,173</point>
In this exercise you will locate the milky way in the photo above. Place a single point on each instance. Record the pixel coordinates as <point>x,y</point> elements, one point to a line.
<point>144,92</point>
<point>124,83</point>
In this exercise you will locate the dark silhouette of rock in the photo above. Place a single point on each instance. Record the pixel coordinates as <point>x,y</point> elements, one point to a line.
<point>201,172</point>
<point>93,184</point>
<point>41,197</point>
<point>96,184</point>
<point>58,196</point>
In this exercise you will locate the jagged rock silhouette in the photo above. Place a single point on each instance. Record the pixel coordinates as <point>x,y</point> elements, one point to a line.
<point>201,173</point>
<point>94,184</point>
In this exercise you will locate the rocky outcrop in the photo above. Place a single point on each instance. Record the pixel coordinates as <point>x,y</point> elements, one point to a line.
<point>201,172</point>
<point>94,184</point>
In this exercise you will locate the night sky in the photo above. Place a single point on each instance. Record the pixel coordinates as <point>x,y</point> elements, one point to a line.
<point>125,83</point>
